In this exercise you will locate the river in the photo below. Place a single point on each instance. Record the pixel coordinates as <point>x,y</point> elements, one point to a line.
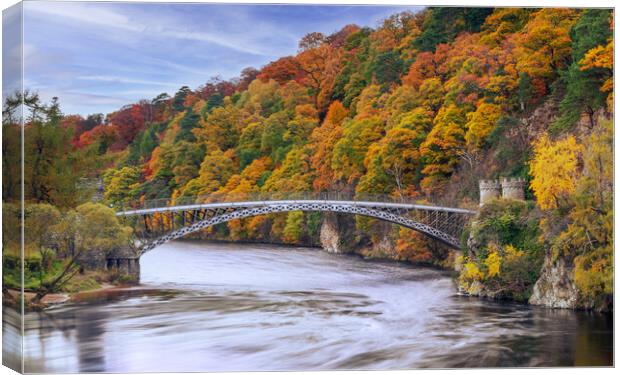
<point>222,307</point>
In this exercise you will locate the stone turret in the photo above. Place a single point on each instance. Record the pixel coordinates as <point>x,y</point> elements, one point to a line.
<point>513,188</point>
<point>489,190</point>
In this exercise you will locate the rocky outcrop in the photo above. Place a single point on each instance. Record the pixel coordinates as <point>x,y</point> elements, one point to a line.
<point>337,234</point>
<point>385,247</point>
<point>555,287</point>
<point>329,236</point>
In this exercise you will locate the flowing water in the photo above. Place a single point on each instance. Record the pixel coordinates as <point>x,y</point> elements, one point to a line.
<point>209,307</point>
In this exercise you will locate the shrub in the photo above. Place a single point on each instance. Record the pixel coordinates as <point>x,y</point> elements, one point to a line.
<point>508,255</point>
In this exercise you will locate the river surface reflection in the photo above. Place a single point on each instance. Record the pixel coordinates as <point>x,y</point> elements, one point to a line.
<point>209,307</point>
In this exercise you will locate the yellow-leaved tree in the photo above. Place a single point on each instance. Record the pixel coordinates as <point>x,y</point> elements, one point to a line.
<point>493,263</point>
<point>293,229</point>
<point>590,232</point>
<point>602,57</point>
<point>481,123</point>
<point>554,170</point>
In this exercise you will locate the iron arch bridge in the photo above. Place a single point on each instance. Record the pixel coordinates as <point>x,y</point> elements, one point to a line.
<point>158,221</point>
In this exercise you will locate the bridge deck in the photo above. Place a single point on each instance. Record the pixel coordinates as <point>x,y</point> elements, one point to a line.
<point>202,206</point>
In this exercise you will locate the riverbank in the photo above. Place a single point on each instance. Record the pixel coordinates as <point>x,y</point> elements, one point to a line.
<point>11,296</point>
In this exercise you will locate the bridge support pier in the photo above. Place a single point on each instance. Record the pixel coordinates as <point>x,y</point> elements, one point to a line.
<point>335,228</point>
<point>127,269</point>
<point>124,264</point>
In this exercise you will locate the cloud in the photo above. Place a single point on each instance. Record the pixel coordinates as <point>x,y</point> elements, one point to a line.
<point>227,41</point>
<point>84,13</point>
<point>148,24</point>
<point>117,79</point>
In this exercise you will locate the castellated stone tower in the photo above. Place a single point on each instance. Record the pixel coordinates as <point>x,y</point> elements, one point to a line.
<point>489,190</point>
<point>513,188</point>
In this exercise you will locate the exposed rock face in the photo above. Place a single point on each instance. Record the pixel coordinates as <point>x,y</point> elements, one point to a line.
<point>330,238</point>
<point>337,234</point>
<point>555,287</point>
<point>538,122</point>
<point>473,243</point>
<point>386,247</point>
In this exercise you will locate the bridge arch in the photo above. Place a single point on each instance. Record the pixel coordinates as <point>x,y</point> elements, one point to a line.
<point>390,212</point>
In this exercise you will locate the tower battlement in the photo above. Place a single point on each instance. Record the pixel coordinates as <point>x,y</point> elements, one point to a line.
<point>510,188</point>
<point>513,188</point>
<point>489,184</point>
<point>489,190</point>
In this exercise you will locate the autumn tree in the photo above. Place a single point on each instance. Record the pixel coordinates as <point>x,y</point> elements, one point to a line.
<point>554,170</point>
<point>248,75</point>
<point>590,232</point>
<point>311,40</point>
<point>128,121</point>
<point>273,142</point>
<point>502,23</point>
<point>481,123</point>
<point>543,47</point>
<point>293,229</point>
<point>394,163</point>
<point>178,101</point>
<point>262,98</point>
<point>319,63</point>
<point>415,247</point>
<point>37,221</point>
<point>293,175</point>
<point>121,186</point>
<point>215,170</point>
<point>249,147</point>
<point>427,65</point>
<point>443,148</point>
<point>602,58</point>
<point>51,168</point>
<point>221,128</point>
<point>101,136</point>
<point>350,151</point>
<point>282,70</point>
<point>89,227</point>
<point>324,139</point>
<point>583,86</point>
<point>441,25</point>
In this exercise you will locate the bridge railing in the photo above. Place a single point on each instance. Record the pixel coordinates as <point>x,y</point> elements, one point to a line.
<point>264,196</point>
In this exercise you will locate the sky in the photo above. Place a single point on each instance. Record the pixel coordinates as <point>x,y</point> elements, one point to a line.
<point>97,57</point>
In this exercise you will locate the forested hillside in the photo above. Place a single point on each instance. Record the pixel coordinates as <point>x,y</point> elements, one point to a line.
<point>422,106</point>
